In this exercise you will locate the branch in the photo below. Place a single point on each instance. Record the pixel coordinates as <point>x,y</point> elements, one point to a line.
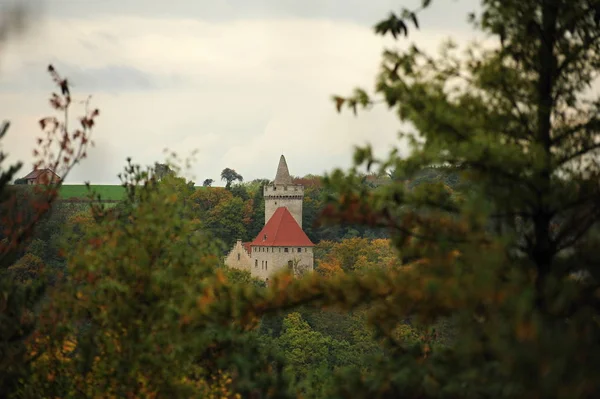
<point>592,124</point>
<point>397,25</point>
<point>579,226</point>
<point>576,154</point>
<point>50,192</point>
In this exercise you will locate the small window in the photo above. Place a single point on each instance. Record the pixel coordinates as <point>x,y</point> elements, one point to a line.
<point>299,249</point>
<point>266,265</point>
<point>238,256</point>
<point>290,264</point>
<point>274,188</point>
<point>256,263</point>
<point>285,250</point>
<point>279,249</point>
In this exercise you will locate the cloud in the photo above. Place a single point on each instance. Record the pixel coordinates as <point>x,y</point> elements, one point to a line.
<point>240,91</point>
<point>109,78</point>
<point>441,15</point>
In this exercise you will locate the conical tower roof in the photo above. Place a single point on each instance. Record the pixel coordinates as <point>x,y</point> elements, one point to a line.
<point>283,174</point>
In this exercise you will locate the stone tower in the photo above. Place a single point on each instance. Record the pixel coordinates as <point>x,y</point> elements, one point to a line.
<point>283,193</point>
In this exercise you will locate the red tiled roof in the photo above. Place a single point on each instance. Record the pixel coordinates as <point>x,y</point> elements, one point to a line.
<point>282,230</point>
<point>36,173</point>
<point>248,247</point>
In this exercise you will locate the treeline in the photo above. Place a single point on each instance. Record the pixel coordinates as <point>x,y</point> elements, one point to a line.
<point>238,211</point>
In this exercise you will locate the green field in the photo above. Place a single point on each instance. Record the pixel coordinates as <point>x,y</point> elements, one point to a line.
<point>107,192</point>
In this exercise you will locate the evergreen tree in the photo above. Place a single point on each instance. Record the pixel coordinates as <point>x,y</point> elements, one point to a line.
<point>517,123</point>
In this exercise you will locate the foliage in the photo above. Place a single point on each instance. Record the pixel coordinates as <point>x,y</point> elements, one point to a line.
<point>229,176</point>
<point>128,308</point>
<point>22,208</point>
<point>162,170</point>
<point>354,254</point>
<point>516,122</point>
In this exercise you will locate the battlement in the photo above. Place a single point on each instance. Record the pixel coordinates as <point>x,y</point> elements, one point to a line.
<point>284,191</point>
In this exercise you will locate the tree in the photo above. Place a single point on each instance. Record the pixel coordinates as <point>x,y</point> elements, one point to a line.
<point>161,170</point>
<point>129,321</point>
<point>229,176</point>
<point>21,210</point>
<point>517,123</point>
<point>207,182</point>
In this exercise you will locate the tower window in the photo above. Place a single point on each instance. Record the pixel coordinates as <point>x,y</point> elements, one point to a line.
<point>265,265</point>
<point>285,250</point>
<point>290,264</point>
<point>256,263</point>
<point>299,249</point>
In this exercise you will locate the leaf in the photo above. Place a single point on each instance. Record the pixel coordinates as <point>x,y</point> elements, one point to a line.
<point>413,17</point>
<point>339,102</point>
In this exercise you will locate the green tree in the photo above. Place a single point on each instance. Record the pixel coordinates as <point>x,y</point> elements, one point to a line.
<point>207,182</point>
<point>161,170</point>
<point>226,221</point>
<point>229,176</point>
<point>307,356</point>
<point>517,123</point>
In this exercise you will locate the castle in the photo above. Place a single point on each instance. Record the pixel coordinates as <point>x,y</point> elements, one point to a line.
<point>281,243</point>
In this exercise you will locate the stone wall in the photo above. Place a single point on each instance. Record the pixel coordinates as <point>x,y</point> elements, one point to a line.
<point>238,258</point>
<point>269,260</point>
<point>290,196</point>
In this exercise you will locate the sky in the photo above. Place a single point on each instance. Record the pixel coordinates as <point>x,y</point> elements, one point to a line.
<point>238,81</point>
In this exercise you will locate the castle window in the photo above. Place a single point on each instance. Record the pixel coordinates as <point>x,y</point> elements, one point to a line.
<point>285,250</point>
<point>274,188</point>
<point>265,265</point>
<point>299,249</point>
<point>238,256</point>
<point>290,264</point>
<point>256,263</point>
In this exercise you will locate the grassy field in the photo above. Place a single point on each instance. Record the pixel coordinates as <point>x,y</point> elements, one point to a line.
<point>112,192</point>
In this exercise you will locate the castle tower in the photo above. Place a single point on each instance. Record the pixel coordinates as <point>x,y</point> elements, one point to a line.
<point>283,193</point>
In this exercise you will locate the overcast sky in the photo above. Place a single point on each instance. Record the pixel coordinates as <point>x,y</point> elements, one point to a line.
<point>241,81</point>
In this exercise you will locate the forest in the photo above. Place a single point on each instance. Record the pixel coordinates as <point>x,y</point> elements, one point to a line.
<point>466,269</point>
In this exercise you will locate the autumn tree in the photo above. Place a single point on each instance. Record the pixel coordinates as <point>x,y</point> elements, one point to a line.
<point>128,322</point>
<point>517,121</point>
<point>21,210</point>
